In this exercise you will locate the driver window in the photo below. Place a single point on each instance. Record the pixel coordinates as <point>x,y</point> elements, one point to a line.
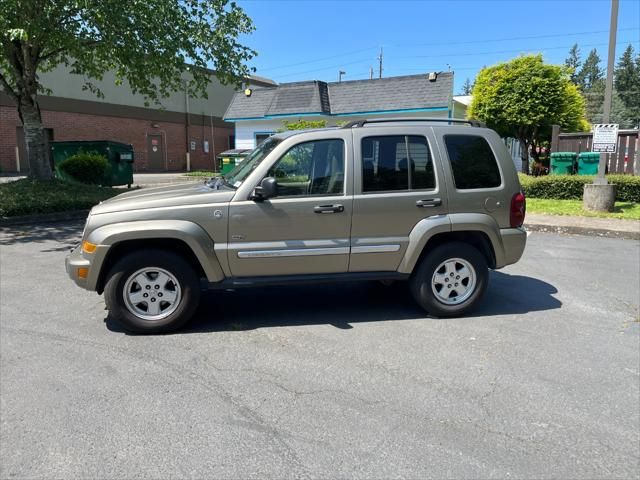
<point>311,168</point>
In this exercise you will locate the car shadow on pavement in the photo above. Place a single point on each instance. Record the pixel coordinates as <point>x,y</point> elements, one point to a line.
<point>343,304</point>
<point>65,233</point>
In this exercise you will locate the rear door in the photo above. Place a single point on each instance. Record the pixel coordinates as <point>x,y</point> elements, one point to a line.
<point>480,183</point>
<point>398,183</point>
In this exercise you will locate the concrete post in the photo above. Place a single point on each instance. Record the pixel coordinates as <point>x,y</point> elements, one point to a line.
<point>600,198</point>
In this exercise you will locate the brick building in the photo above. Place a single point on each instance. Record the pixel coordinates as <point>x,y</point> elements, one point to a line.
<point>160,136</point>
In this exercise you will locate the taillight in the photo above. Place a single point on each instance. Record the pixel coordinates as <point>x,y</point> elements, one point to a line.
<point>518,210</point>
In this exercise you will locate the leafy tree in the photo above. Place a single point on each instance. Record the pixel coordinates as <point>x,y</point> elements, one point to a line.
<point>148,43</point>
<point>590,73</point>
<point>627,83</point>
<point>573,63</point>
<point>467,87</point>
<point>594,101</point>
<point>523,98</point>
<point>302,125</point>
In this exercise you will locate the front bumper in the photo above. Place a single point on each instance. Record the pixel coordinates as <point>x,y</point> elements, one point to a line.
<point>73,262</point>
<point>92,261</point>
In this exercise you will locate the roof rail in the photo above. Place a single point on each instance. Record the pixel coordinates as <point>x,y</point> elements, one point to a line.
<point>361,123</point>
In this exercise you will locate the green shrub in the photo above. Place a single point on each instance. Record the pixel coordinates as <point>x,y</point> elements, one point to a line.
<point>85,167</point>
<point>628,187</point>
<point>28,196</point>
<point>571,187</point>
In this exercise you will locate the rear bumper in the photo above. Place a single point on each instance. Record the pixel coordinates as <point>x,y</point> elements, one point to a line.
<point>513,242</point>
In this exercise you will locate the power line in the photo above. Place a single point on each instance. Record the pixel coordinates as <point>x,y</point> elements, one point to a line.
<point>322,69</point>
<point>318,59</point>
<point>509,51</point>
<point>554,35</point>
<point>345,54</point>
<point>363,61</point>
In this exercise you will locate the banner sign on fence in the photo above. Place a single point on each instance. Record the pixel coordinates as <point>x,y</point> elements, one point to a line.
<point>605,138</point>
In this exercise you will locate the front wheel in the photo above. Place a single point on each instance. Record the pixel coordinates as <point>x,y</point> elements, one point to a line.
<point>450,280</point>
<point>152,291</point>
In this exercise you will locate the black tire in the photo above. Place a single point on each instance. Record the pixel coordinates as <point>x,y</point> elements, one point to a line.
<point>421,286</point>
<point>185,275</point>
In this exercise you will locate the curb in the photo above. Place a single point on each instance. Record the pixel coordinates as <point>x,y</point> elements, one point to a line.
<point>44,218</point>
<point>531,227</point>
<point>593,232</point>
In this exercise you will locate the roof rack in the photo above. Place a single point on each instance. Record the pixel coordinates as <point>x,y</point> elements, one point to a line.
<point>361,123</point>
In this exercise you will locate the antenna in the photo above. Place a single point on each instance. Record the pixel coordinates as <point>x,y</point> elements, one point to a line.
<point>380,58</point>
<point>370,73</point>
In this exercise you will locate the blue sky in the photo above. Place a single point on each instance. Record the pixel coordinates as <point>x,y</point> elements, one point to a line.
<point>314,39</point>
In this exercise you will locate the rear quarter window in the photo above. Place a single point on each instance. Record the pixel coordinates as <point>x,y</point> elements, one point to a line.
<point>473,163</point>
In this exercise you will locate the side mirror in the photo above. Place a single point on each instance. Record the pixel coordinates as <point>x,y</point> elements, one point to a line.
<point>268,188</point>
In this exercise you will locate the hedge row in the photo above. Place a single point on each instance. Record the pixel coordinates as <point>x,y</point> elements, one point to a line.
<point>571,187</point>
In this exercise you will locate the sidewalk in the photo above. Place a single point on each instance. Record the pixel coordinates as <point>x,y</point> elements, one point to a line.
<point>602,227</point>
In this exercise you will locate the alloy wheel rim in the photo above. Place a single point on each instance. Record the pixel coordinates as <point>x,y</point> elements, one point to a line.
<point>453,281</point>
<point>152,293</point>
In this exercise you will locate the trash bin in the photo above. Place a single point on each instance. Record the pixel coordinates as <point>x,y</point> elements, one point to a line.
<point>119,157</point>
<point>228,159</point>
<point>588,163</point>
<point>563,163</point>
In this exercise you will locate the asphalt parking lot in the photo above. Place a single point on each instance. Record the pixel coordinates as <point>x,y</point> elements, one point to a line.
<point>348,380</point>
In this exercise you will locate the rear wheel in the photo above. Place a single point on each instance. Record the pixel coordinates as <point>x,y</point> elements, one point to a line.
<point>450,280</point>
<point>152,291</point>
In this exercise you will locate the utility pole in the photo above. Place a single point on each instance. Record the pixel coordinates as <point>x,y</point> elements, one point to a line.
<point>340,73</point>
<point>600,195</point>
<point>380,57</point>
<point>370,73</point>
<point>608,90</point>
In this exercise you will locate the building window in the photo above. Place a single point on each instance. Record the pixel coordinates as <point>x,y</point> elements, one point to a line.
<point>472,162</point>
<point>397,162</point>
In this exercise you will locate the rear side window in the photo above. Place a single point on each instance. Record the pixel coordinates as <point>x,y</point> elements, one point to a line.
<point>472,162</point>
<point>396,163</point>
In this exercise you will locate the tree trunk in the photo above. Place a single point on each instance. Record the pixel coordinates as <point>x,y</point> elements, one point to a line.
<point>524,156</point>
<point>37,153</point>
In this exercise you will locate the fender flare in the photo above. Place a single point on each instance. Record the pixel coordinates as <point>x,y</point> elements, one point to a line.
<point>192,234</point>
<point>427,228</point>
<point>421,233</point>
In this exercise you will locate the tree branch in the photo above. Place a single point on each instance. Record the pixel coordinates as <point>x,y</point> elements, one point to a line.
<point>7,88</point>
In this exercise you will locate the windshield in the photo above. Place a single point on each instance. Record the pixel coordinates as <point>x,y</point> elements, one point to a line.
<point>238,175</point>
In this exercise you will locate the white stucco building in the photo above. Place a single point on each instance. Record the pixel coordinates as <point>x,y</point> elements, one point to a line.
<point>261,111</point>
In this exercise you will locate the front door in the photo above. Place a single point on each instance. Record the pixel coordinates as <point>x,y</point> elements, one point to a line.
<point>155,153</point>
<point>398,184</point>
<point>305,228</point>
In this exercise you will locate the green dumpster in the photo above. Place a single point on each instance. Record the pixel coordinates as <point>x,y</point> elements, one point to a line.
<point>588,163</point>
<point>228,159</point>
<point>563,163</point>
<point>119,158</point>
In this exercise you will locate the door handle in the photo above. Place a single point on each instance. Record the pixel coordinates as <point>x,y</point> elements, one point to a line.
<point>429,203</point>
<point>328,208</point>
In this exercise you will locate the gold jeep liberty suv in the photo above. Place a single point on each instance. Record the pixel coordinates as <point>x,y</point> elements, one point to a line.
<point>436,202</point>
